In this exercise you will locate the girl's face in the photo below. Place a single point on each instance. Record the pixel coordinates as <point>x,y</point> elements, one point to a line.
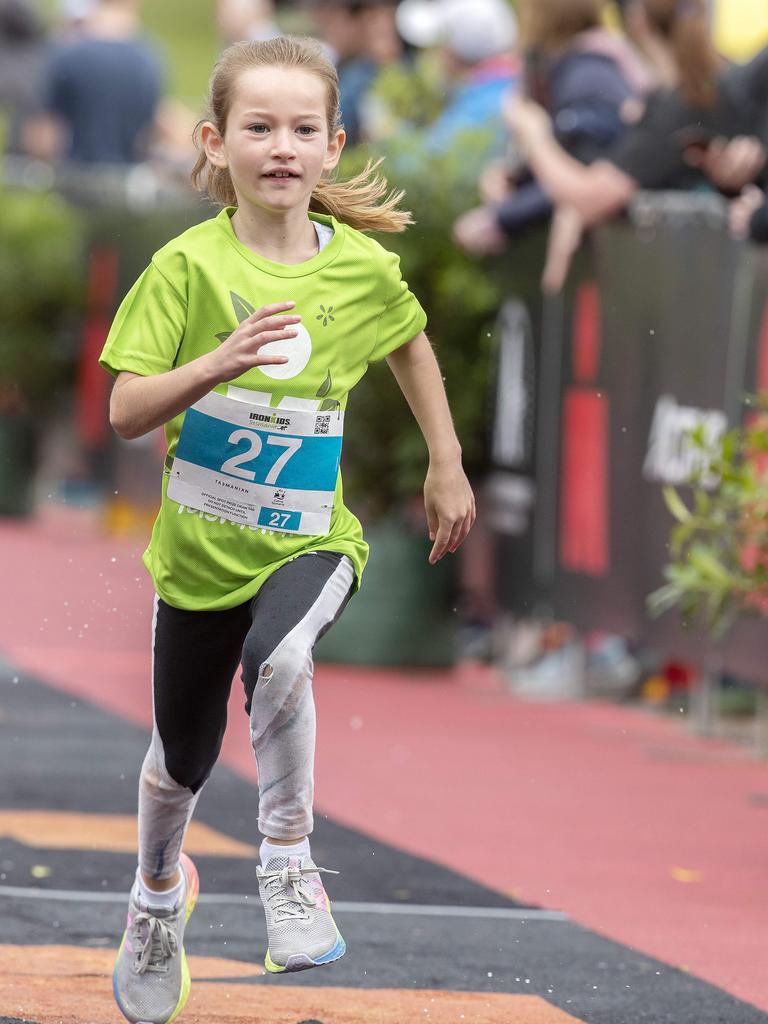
<point>276,144</point>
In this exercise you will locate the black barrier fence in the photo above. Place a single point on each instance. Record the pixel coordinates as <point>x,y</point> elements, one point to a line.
<point>663,326</point>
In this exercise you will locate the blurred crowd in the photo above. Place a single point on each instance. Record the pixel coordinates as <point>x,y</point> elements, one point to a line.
<point>563,108</point>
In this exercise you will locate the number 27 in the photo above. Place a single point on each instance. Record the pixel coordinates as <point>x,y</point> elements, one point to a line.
<point>234,465</point>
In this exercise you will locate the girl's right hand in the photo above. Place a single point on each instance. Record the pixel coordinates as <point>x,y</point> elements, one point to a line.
<point>242,349</point>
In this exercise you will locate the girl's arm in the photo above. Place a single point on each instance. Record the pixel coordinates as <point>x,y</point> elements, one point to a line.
<point>448,498</point>
<point>140,404</point>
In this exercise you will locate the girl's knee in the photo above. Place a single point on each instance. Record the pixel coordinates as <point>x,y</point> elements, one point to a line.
<point>177,769</point>
<point>268,676</point>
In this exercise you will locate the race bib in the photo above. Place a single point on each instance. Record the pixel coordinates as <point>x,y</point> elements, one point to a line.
<point>259,466</point>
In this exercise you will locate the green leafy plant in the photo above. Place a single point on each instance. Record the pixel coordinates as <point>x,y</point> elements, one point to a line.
<point>718,569</point>
<point>403,96</point>
<point>385,456</point>
<point>41,287</point>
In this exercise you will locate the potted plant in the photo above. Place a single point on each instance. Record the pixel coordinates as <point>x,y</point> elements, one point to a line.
<point>718,569</point>
<point>40,287</point>
<point>405,611</point>
<point>717,575</point>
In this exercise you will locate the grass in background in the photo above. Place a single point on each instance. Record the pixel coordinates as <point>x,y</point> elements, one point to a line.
<point>186,31</point>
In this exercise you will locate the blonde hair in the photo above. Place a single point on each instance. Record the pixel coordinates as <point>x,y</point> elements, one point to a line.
<point>550,24</point>
<point>685,25</point>
<point>362,201</point>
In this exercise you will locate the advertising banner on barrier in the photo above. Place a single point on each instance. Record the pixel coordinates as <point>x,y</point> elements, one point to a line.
<point>662,329</point>
<point>511,485</point>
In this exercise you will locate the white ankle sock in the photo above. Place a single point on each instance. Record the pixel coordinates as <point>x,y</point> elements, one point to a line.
<point>267,850</point>
<point>152,898</point>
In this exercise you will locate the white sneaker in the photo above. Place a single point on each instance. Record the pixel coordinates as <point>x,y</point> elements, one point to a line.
<point>151,978</point>
<point>301,932</point>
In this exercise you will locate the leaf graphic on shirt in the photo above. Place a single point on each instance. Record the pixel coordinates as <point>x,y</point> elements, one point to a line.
<point>329,405</point>
<point>325,387</point>
<point>224,335</point>
<point>242,307</point>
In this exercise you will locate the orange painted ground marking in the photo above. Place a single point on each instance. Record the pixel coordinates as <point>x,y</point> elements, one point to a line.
<point>63,963</point>
<point>71,985</point>
<point>60,830</point>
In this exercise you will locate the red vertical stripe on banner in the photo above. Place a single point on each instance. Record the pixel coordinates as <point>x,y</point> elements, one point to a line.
<point>92,381</point>
<point>584,521</point>
<point>762,354</point>
<point>751,554</point>
<point>587,334</point>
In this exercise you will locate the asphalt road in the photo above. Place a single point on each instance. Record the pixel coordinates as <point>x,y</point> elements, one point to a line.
<point>424,942</point>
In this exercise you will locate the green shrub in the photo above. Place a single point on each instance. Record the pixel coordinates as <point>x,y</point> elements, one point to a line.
<point>41,285</point>
<point>385,452</point>
<point>718,569</point>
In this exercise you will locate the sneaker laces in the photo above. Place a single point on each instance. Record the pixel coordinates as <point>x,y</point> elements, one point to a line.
<point>280,884</point>
<point>157,947</point>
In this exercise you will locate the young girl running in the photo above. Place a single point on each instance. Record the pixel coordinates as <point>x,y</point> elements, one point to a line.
<point>244,337</point>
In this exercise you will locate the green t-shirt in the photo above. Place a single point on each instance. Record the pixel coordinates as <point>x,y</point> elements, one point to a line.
<point>356,309</point>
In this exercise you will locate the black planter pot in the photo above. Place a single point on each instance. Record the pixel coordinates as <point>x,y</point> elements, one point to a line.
<point>18,463</point>
<point>402,615</point>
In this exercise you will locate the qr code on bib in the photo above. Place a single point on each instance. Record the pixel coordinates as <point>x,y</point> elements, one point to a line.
<point>321,424</point>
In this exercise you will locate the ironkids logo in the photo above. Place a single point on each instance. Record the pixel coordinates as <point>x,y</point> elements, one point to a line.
<point>274,420</point>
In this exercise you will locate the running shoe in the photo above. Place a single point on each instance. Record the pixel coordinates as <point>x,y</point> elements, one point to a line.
<point>151,977</point>
<point>301,932</point>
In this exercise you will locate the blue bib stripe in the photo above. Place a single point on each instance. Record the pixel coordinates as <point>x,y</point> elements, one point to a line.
<point>314,466</point>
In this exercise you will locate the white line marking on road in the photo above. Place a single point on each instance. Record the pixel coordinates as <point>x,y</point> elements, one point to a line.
<point>431,910</point>
<point>409,909</point>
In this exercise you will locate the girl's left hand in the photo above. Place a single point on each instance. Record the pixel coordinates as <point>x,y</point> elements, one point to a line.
<point>450,507</point>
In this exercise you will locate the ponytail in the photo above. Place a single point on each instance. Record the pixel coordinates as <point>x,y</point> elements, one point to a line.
<point>363,202</point>
<point>685,25</point>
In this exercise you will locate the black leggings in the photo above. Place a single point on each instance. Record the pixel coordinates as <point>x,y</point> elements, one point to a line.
<point>195,656</point>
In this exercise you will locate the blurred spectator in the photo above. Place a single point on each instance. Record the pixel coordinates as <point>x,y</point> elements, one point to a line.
<point>732,164</point>
<point>102,91</point>
<point>583,75</point>
<point>476,40</point>
<point>246,20</point>
<point>361,37</point>
<point>385,45</point>
<point>664,148</point>
<point>22,60</point>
